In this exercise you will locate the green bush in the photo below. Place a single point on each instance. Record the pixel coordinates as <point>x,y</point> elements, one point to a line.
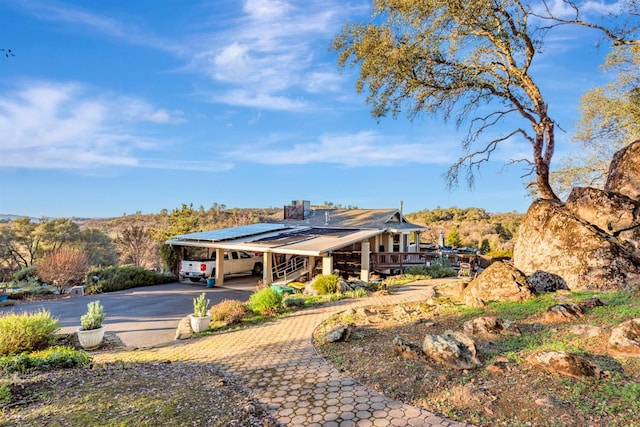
<point>228,311</point>
<point>266,301</point>
<point>26,332</point>
<point>58,357</point>
<point>417,270</point>
<point>293,302</point>
<point>437,271</point>
<point>25,275</point>
<point>5,394</point>
<point>376,286</point>
<point>118,278</point>
<point>356,293</point>
<point>326,284</point>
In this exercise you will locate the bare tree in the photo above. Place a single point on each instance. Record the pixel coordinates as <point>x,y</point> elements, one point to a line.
<point>134,243</point>
<point>64,268</point>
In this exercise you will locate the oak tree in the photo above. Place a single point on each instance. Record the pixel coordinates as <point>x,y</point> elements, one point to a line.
<point>469,60</point>
<point>610,120</point>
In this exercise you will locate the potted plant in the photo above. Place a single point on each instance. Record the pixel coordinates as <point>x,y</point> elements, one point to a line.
<point>200,319</point>
<point>91,332</point>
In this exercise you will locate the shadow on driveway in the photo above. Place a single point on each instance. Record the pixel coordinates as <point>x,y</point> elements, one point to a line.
<point>142,317</point>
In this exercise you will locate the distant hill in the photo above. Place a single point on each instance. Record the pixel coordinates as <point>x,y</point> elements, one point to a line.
<point>10,217</point>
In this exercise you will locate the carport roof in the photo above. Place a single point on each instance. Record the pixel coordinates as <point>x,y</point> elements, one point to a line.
<point>277,238</point>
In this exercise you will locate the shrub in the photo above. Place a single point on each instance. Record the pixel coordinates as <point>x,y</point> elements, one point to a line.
<point>326,284</point>
<point>376,286</point>
<point>116,278</point>
<point>5,394</point>
<point>293,302</point>
<point>417,270</point>
<point>65,267</point>
<point>58,357</point>
<point>356,293</point>
<point>228,311</point>
<point>25,275</point>
<point>94,317</point>
<point>200,305</point>
<point>26,332</point>
<point>266,301</point>
<point>437,271</point>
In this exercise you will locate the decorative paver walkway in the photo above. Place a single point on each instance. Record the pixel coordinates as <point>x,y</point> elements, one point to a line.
<point>277,362</point>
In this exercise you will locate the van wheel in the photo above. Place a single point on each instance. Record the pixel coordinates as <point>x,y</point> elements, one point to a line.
<point>257,269</point>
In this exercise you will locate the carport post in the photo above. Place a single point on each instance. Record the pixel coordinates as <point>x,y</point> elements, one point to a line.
<point>364,261</point>
<point>327,265</point>
<point>219,266</point>
<point>267,271</point>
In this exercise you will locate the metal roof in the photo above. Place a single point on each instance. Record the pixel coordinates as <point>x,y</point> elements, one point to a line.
<point>310,241</point>
<point>357,219</point>
<point>321,232</point>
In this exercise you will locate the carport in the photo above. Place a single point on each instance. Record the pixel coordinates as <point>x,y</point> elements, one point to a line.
<point>283,239</point>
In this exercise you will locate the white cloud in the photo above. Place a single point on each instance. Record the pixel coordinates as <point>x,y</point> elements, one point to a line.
<point>259,100</point>
<point>562,9</point>
<point>273,51</point>
<point>57,12</point>
<point>51,125</point>
<point>266,9</point>
<point>362,149</point>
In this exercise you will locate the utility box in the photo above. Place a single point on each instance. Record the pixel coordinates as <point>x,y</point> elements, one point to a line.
<point>77,291</point>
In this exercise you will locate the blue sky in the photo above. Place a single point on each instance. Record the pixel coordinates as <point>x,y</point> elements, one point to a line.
<point>114,107</point>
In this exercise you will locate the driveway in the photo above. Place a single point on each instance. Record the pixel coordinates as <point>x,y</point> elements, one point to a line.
<point>146,316</point>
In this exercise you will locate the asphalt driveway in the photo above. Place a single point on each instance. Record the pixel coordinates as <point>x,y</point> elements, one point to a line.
<point>142,317</point>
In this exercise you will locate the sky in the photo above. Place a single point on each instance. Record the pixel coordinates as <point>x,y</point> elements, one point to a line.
<point>116,107</point>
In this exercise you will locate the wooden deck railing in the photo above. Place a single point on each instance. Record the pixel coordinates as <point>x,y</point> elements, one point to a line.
<point>402,260</point>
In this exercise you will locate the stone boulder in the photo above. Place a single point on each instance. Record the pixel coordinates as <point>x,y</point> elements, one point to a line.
<point>613,213</point>
<point>570,365</point>
<point>452,349</point>
<point>407,350</point>
<point>543,281</point>
<point>338,333</point>
<point>562,313</point>
<point>624,172</point>
<point>610,212</point>
<point>625,339</point>
<point>499,282</point>
<point>554,240</point>
<point>490,326</point>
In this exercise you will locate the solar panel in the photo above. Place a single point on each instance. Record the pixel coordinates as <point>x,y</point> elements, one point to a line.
<point>233,232</point>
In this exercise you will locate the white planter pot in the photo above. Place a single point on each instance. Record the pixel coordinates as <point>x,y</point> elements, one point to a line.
<point>91,338</point>
<point>200,324</point>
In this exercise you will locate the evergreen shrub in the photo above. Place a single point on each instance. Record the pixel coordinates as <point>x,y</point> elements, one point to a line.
<point>26,332</point>
<point>57,357</point>
<point>266,301</point>
<point>326,284</point>
<point>118,278</point>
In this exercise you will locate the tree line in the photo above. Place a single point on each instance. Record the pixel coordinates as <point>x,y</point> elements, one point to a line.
<point>136,240</point>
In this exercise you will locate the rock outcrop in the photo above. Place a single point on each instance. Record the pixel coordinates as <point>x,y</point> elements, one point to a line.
<point>499,282</point>
<point>624,172</point>
<point>490,326</point>
<point>593,240</point>
<point>625,339</point>
<point>552,239</point>
<point>452,349</point>
<point>570,365</point>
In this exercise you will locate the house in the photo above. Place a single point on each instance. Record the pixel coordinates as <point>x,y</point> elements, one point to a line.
<point>316,241</point>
